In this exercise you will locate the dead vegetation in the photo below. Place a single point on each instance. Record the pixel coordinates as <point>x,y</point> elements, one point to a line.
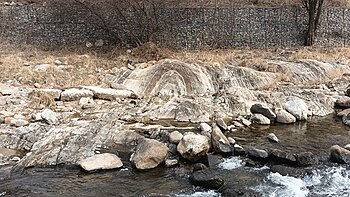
<point>75,66</point>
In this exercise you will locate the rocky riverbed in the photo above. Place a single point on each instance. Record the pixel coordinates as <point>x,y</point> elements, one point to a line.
<point>174,113</point>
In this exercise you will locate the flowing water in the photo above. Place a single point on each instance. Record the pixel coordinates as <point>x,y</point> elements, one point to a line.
<point>316,135</point>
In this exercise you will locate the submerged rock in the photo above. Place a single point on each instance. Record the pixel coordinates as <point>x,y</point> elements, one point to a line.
<point>239,150</point>
<point>255,153</point>
<point>288,171</point>
<point>263,109</point>
<point>149,154</point>
<point>193,147</point>
<point>306,159</point>
<point>219,141</point>
<point>340,155</point>
<point>103,161</point>
<point>272,137</point>
<point>206,179</point>
<point>285,117</point>
<point>260,119</point>
<point>282,157</point>
<point>297,108</point>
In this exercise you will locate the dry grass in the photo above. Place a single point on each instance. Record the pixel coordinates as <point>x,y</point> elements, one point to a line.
<point>83,66</point>
<point>40,100</point>
<point>80,66</point>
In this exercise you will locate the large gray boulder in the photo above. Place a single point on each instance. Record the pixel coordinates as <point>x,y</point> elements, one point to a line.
<point>297,108</point>
<point>220,143</point>
<point>103,161</point>
<point>340,155</point>
<point>263,109</point>
<point>149,154</point>
<point>193,147</point>
<point>285,117</point>
<point>260,119</point>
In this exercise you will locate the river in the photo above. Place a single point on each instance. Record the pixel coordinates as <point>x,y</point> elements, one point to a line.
<point>316,135</point>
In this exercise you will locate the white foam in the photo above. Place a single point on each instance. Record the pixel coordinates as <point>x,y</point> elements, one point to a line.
<point>210,193</point>
<point>334,181</point>
<point>231,163</point>
<point>277,185</point>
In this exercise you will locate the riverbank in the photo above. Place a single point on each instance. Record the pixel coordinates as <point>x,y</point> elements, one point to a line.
<point>165,111</point>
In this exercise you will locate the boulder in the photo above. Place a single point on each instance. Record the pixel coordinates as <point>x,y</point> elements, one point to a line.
<point>282,157</point>
<point>75,94</point>
<point>231,140</point>
<point>347,147</point>
<point>193,147</point>
<point>272,137</point>
<point>204,127</point>
<point>346,119</point>
<point>342,103</point>
<point>171,162</point>
<point>245,122</point>
<point>219,141</point>
<point>198,167</point>
<point>101,162</point>
<point>149,154</point>
<point>297,108</point>
<point>175,137</point>
<point>239,150</point>
<point>263,109</point>
<point>49,116</point>
<point>221,124</point>
<point>206,179</point>
<point>306,159</point>
<point>258,154</point>
<point>109,93</point>
<point>344,112</point>
<point>340,155</point>
<point>85,101</point>
<point>260,119</point>
<point>282,116</point>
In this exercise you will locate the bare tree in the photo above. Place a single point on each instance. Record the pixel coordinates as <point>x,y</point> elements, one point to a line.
<point>314,9</point>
